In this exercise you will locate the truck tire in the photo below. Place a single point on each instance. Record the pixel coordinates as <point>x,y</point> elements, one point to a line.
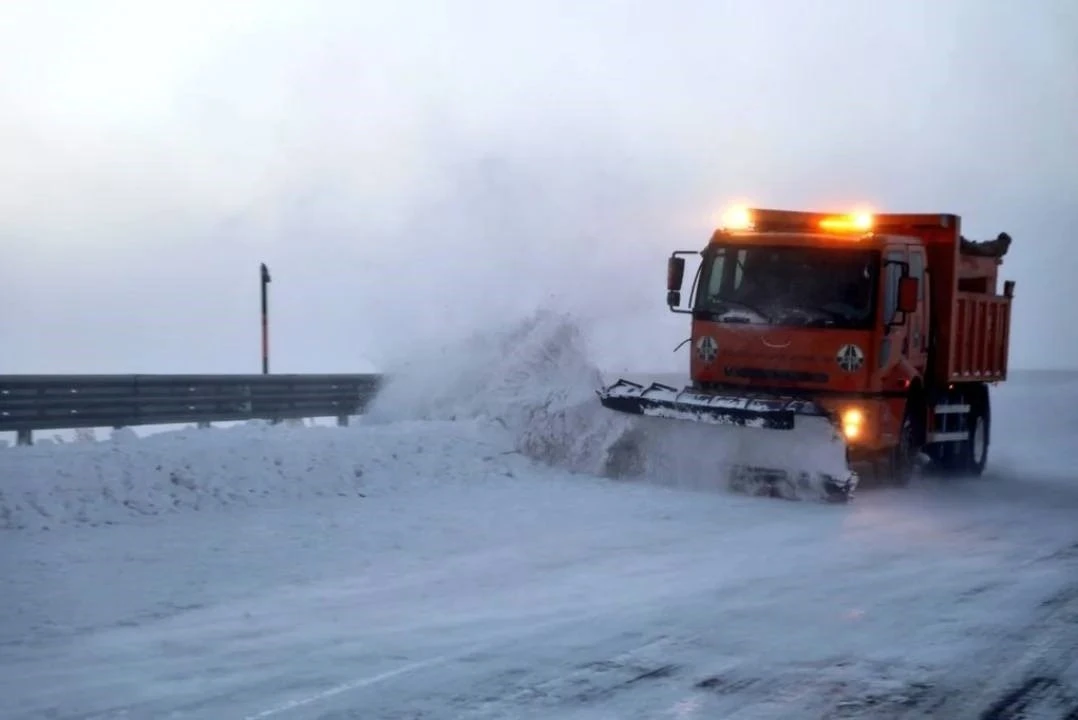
<point>903,460</point>
<point>970,456</point>
<point>974,452</point>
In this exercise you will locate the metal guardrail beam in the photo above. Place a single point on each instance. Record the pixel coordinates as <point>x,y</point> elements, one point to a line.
<point>42,402</point>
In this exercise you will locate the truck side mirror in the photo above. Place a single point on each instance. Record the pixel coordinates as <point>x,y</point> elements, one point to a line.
<point>907,294</point>
<point>675,274</point>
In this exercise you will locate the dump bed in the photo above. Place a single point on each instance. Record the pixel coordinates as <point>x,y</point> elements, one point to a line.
<point>972,317</point>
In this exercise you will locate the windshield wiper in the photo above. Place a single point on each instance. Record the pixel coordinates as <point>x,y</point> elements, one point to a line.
<point>819,316</point>
<point>744,306</point>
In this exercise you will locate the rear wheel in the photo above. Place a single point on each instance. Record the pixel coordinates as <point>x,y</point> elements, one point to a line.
<point>973,456</point>
<point>968,456</point>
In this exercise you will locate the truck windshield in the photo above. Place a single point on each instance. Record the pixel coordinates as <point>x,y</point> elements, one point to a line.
<point>789,285</point>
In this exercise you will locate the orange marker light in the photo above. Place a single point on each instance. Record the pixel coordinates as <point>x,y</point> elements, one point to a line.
<point>855,222</point>
<point>737,218</point>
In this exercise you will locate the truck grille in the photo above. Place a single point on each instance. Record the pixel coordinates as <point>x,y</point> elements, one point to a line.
<point>786,376</point>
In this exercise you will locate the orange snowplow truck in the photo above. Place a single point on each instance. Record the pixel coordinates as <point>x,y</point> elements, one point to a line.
<point>890,326</point>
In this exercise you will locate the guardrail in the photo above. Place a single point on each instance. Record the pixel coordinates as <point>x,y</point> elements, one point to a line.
<point>42,402</point>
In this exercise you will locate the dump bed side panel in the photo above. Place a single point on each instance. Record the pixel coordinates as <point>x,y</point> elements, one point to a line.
<point>982,326</point>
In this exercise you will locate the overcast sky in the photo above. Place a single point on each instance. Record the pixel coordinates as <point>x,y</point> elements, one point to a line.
<point>414,170</point>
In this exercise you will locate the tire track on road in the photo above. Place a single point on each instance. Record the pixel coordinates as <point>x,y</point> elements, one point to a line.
<point>1035,674</point>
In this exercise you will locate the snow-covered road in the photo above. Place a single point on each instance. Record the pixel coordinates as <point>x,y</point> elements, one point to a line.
<point>425,570</point>
<point>519,595</point>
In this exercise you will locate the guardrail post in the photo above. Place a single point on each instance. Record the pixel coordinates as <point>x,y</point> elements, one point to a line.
<point>24,437</point>
<point>265,280</point>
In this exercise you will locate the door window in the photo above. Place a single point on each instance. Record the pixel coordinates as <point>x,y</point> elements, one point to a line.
<point>917,270</point>
<point>892,274</point>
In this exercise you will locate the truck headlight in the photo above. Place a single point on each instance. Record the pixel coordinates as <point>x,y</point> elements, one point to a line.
<point>853,421</point>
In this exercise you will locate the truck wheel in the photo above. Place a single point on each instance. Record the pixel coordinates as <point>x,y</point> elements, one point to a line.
<point>969,456</point>
<point>903,462</point>
<point>974,451</point>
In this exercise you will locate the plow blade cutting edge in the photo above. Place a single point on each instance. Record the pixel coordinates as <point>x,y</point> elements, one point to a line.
<point>750,411</point>
<point>658,400</point>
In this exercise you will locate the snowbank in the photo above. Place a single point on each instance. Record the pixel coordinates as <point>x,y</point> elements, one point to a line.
<point>121,480</point>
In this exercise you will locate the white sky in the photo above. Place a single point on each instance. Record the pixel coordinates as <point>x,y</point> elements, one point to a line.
<point>415,169</point>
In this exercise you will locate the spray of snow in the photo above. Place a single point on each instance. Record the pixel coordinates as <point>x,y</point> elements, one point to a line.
<point>532,379</point>
<point>535,380</point>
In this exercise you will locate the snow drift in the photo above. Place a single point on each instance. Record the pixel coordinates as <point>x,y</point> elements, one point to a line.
<point>119,481</point>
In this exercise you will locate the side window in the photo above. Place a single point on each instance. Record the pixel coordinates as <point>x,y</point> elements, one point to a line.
<point>917,270</point>
<point>892,273</point>
<point>726,271</point>
<point>718,272</point>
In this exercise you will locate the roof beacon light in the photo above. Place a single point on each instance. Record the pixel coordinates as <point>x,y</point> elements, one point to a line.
<point>854,222</point>
<point>737,218</point>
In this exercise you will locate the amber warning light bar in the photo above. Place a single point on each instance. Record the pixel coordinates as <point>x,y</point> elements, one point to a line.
<point>860,222</point>
<point>748,219</point>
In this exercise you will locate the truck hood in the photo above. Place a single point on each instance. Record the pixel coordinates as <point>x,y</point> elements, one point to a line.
<point>766,356</point>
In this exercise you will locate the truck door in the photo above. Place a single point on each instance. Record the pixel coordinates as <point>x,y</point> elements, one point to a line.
<point>918,321</point>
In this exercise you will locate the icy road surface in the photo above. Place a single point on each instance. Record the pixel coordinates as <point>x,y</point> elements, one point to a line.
<point>425,570</point>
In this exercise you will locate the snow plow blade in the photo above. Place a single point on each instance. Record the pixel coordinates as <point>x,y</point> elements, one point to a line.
<point>658,400</point>
<point>754,411</point>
